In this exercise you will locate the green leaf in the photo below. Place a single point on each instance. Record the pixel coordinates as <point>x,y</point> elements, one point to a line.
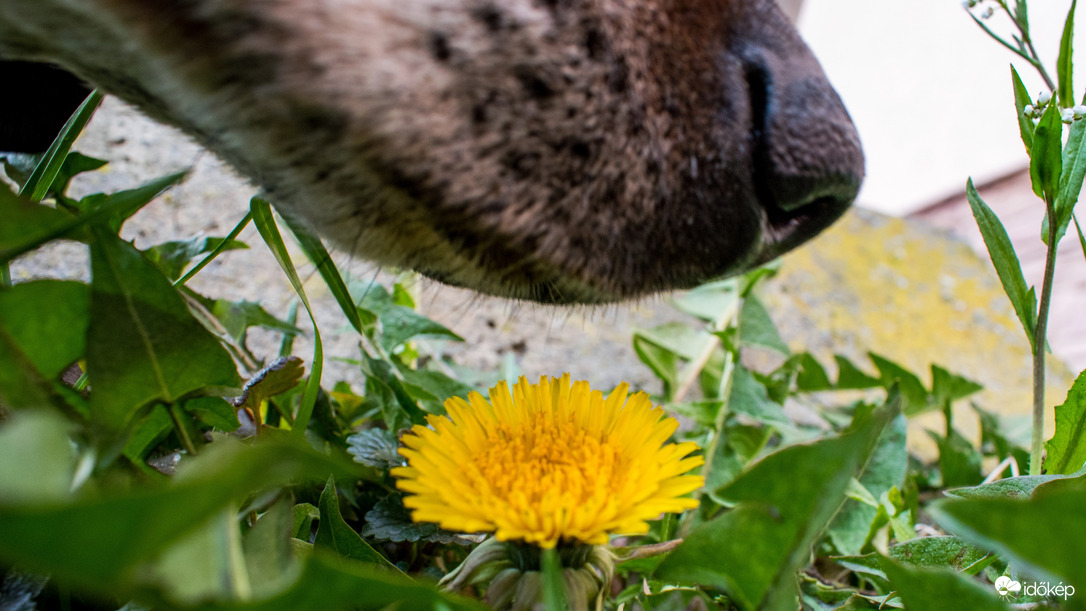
<point>938,552</point>
<point>75,163</point>
<point>851,377</point>
<point>947,387</point>
<point>709,300</point>
<point>39,182</point>
<point>1021,100</point>
<point>398,323</point>
<point>756,327</point>
<point>1046,158</point>
<point>1041,533</point>
<point>959,461</point>
<point>268,559</point>
<point>116,208</point>
<point>283,374</point>
<point>148,433</point>
<point>37,461</point>
<point>265,224</point>
<point>28,225</point>
<point>1066,451</point>
<point>432,385</point>
<point>215,412</point>
<point>143,344</point>
<point>1074,164</point>
<point>913,393</point>
<point>781,504</point>
<point>811,376</point>
<point>335,535</point>
<point>884,470</point>
<point>1005,260</point>
<point>389,520</point>
<point>749,397</point>
<point>1064,62</point>
<point>172,257</point>
<point>42,331</point>
<point>237,317</point>
<point>330,583</point>
<point>304,515</point>
<point>1020,487</point>
<point>921,588</point>
<point>376,448</point>
<point>99,543</point>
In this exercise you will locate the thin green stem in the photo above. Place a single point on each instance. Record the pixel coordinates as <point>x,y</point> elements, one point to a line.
<point>182,432</point>
<point>1039,345</point>
<point>218,249</point>
<point>5,276</point>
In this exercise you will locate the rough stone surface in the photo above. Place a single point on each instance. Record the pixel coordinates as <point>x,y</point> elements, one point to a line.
<point>897,288</point>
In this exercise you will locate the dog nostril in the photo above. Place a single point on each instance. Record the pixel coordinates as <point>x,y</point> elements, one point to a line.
<point>793,192</point>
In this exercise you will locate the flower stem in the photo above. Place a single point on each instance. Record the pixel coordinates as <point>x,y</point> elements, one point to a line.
<point>1039,344</point>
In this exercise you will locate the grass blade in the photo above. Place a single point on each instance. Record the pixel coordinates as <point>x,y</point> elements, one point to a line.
<point>265,224</point>
<point>1063,63</point>
<point>318,254</point>
<point>42,177</point>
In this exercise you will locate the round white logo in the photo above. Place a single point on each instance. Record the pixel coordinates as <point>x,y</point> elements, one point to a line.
<point>1007,586</point>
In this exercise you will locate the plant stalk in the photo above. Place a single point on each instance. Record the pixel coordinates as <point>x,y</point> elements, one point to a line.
<point>1039,344</point>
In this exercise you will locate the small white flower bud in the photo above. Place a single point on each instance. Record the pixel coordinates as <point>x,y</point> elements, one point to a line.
<point>988,12</point>
<point>1043,98</point>
<point>1067,115</point>
<point>1029,110</point>
<point>1079,110</point>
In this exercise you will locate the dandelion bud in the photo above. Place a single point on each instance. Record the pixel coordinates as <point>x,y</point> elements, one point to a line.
<point>1043,98</point>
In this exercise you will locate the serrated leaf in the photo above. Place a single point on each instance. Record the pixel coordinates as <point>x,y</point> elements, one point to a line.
<point>947,387</point>
<point>884,470</point>
<point>1066,451</point>
<point>1046,157</point>
<point>851,377</point>
<point>376,448</point>
<point>333,533</point>
<point>143,344</point>
<point>1005,260</point>
<point>389,520</point>
<point>811,376</point>
<point>914,395</point>
<point>1064,61</point>
<point>1021,100</point>
<point>781,504</point>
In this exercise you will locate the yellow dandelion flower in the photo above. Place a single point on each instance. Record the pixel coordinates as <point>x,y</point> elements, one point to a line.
<point>548,462</point>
